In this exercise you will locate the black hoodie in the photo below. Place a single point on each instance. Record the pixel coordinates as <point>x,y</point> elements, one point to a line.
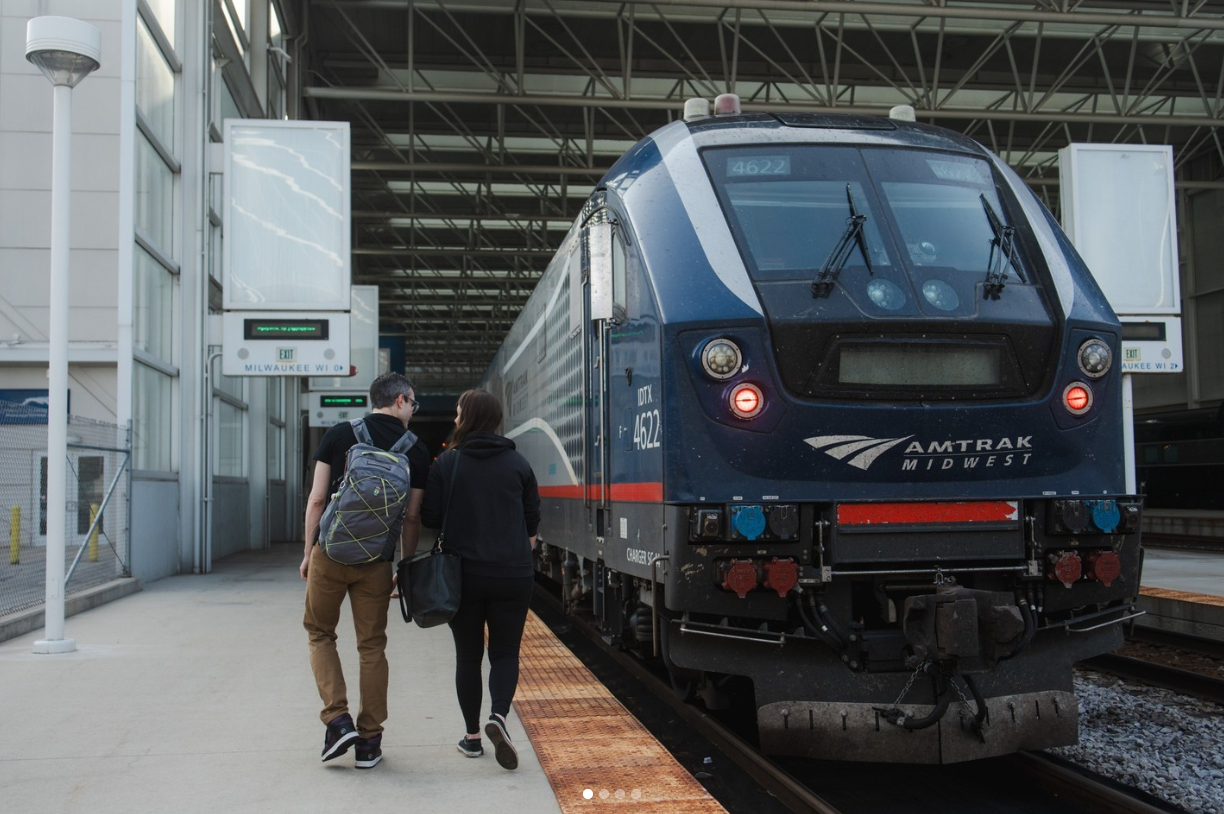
<point>482,494</point>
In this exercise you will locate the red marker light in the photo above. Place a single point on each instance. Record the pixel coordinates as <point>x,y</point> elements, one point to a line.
<point>1077,398</point>
<point>746,400</point>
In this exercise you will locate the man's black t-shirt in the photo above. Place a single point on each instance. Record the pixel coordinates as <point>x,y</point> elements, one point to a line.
<point>384,430</point>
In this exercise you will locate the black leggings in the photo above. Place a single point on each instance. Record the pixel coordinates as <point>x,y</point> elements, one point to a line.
<point>502,603</point>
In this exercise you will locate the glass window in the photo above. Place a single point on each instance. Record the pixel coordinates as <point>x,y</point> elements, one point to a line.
<point>1209,339</point>
<point>227,108</point>
<point>154,87</point>
<point>276,457</point>
<point>214,252</point>
<point>153,308</point>
<point>276,397</point>
<point>154,196</point>
<point>276,31</point>
<point>230,385</point>
<point>1206,215</point>
<point>885,224</point>
<point>230,440</point>
<point>151,420</point>
<point>790,207</point>
<point>276,88</point>
<point>943,206</point>
<point>164,13</point>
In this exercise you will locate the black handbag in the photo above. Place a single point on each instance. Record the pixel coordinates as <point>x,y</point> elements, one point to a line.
<point>431,584</point>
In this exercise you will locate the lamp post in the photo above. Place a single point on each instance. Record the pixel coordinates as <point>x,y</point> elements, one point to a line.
<point>66,51</point>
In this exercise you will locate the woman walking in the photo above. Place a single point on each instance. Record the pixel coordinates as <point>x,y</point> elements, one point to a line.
<point>482,494</point>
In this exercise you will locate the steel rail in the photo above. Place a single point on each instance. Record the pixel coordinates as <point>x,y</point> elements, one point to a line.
<point>1156,674</point>
<point>1076,787</point>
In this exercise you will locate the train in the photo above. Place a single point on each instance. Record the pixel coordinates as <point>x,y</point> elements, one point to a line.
<point>826,419</point>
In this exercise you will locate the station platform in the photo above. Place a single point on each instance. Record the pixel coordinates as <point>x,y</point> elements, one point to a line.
<point>196,695</point>
<point>1183,592</point>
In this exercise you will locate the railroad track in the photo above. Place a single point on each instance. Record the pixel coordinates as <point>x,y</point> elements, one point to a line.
<point>1187,541</point>
<point>1050,785</point>
<point>1152,665</point>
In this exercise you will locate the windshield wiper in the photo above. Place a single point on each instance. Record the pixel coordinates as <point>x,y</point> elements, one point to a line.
<point>853,236</point>
<point>1005,244</point>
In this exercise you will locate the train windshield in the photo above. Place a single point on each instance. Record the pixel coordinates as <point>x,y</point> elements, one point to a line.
<point>933,228</point>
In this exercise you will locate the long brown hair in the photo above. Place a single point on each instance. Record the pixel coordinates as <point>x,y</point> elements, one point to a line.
<point>479,411</point>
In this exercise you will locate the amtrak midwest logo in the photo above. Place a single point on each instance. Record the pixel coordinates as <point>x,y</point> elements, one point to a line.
<point>861,451</point>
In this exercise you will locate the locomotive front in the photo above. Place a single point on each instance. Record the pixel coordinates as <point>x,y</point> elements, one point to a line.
<point>891,465</point>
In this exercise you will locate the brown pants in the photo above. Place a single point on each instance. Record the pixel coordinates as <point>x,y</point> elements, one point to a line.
<point>368,588</point>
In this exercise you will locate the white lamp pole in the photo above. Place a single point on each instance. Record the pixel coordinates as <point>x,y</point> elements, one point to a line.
<point>66,51</point>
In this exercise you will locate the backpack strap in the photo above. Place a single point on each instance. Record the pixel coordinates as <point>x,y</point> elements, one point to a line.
<point>407,441</point>
<point>359,430</point>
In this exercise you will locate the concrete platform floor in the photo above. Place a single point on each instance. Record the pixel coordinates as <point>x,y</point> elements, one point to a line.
<point>196,695</point>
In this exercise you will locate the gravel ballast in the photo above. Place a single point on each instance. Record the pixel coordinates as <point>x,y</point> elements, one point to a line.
<point>1165,744</point>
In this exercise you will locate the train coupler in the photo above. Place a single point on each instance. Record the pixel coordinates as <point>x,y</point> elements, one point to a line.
<point>972,629</point>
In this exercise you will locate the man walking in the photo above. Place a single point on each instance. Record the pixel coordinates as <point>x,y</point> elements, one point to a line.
<point>367,586</point>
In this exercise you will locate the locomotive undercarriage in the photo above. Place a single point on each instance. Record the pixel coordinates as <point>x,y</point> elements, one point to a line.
<point>903,661</point>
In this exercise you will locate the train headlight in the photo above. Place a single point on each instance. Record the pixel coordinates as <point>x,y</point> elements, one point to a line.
<point>1077,398</point>
<point>747,400</point>
<point>721,358</point>
<point>941,295</point>
<point>1095,358</point>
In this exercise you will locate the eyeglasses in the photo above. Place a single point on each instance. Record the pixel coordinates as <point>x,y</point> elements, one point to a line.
<point>416,405</point>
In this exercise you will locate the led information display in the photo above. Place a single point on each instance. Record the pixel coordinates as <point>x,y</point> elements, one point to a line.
<point>342,401</point>
<point>277,343</point>
<point>285,328</point>
<point>330,408</point>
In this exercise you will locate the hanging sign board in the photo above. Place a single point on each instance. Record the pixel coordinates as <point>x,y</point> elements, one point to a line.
<point>284,343</point>
<point>333,406</point>
<point>1118,209</point>
<point>287,216</point>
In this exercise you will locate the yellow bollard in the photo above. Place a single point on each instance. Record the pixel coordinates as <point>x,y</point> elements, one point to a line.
<point>93,538</point>
<point>15,536</point>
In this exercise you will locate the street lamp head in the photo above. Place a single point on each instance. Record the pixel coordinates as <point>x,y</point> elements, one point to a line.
<point>64,49</point>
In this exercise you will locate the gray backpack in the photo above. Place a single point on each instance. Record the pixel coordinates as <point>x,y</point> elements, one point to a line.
<point>362,522</point>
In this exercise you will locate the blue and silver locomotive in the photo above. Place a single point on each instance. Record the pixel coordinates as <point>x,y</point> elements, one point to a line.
<point>827,404</point>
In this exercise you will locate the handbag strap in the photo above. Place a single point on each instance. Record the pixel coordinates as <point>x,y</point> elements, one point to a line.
<point>450,490</point>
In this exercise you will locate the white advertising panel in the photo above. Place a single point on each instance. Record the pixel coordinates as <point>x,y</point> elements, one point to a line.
<point>1118,209</point>
<point>1117,205</point>
<point>287,214</point>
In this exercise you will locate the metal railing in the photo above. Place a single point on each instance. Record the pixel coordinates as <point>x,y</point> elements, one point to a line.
<point>97,523</point>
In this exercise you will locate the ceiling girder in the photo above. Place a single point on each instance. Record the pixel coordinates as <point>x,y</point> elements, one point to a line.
<point>480,126</point>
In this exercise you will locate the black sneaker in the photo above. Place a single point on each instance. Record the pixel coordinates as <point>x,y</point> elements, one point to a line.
<point>369,752</point>
<point>471,748</point>
<point>507,755</point>
<point>340,736</point>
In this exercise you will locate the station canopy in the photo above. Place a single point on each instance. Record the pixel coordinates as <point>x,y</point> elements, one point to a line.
<point>479,127</point>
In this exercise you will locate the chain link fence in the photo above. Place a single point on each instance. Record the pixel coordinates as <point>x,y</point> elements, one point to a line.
<point>96,527</point>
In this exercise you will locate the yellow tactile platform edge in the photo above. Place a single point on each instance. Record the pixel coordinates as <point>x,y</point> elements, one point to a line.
<point>594,752</point>
<point>1182,596</point>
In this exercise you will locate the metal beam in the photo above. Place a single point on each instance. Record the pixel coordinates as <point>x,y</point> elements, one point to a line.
<point>524,169</point>
<point>458,217</point>
<point>566,100</point>
<point>457,250</point>
<point>997,11</point>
